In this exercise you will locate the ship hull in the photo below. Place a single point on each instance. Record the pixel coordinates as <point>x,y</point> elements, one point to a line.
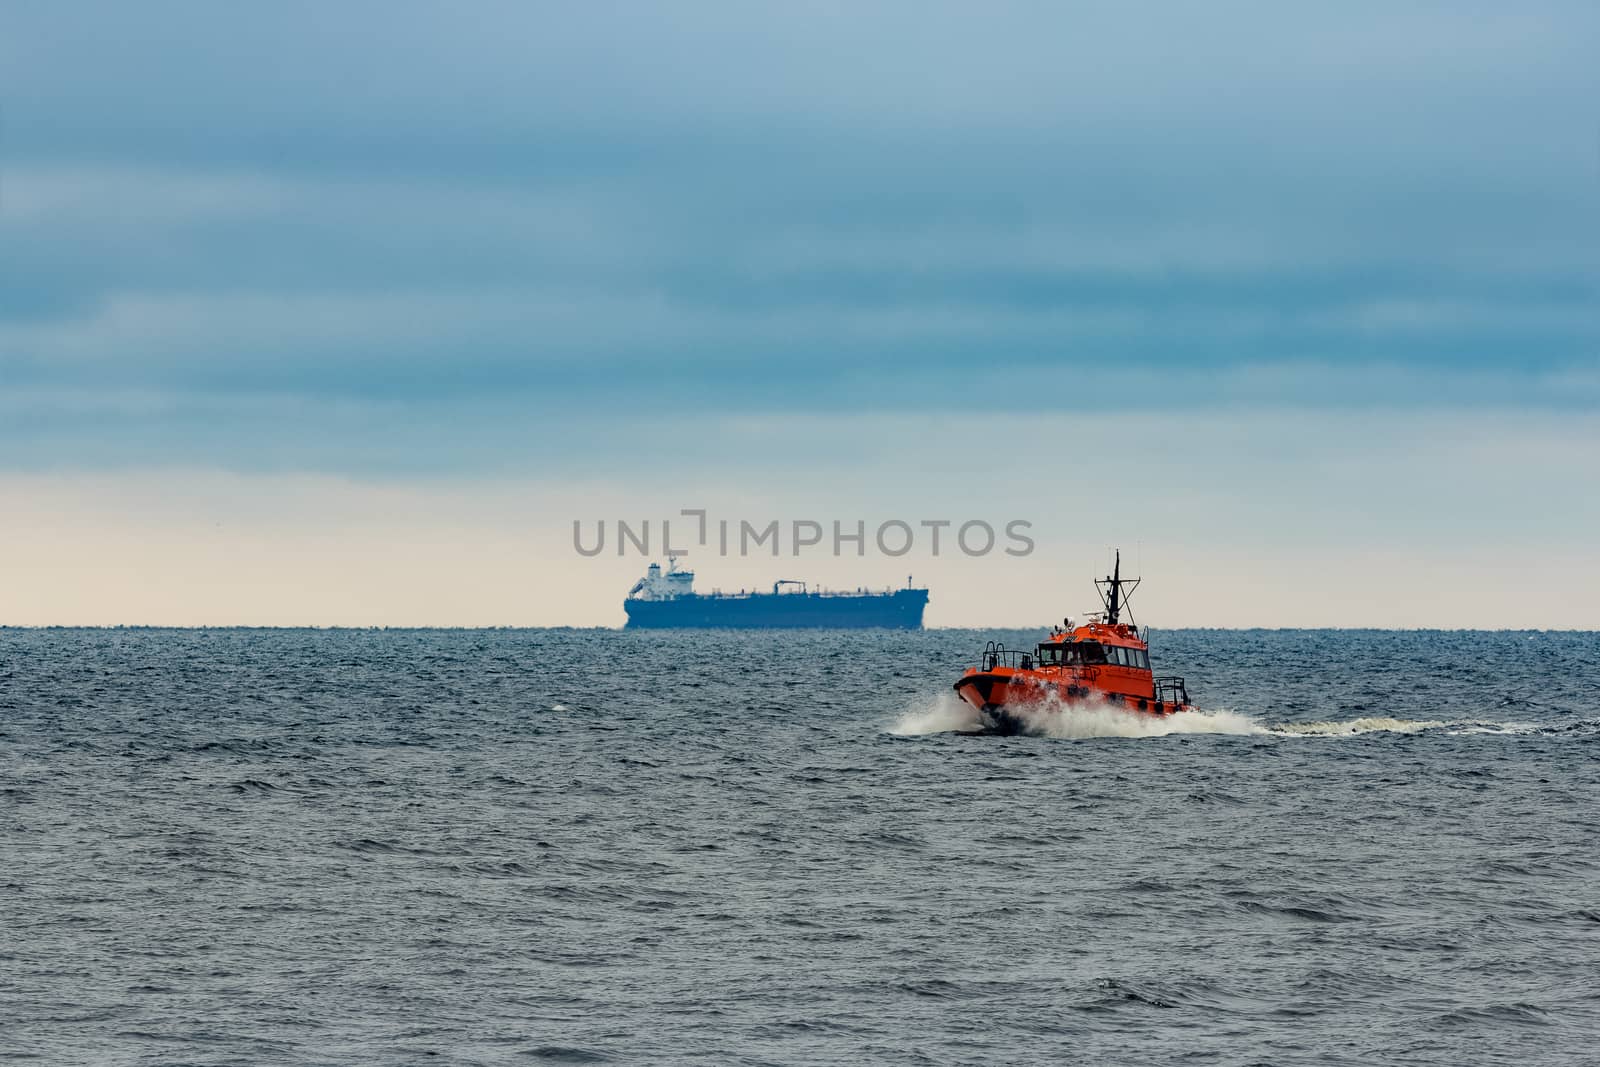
<point>1010,697</point>
<point>900,610</point>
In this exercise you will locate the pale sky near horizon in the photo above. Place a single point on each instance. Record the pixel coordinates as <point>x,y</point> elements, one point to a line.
<point>343,315</point>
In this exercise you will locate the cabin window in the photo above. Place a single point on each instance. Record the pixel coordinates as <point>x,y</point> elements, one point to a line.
<point>1128,657</point>
<point>1081,653</point>
<point>1049,655</point>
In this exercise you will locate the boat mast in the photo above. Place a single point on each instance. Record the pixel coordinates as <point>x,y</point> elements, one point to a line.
<point>1113,595</point>
<point>1115,582</point>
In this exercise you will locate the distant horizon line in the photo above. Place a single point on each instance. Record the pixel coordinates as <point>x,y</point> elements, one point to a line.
<point>769,629</point>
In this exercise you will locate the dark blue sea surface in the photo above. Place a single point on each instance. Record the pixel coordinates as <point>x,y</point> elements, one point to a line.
<point>385,847</point>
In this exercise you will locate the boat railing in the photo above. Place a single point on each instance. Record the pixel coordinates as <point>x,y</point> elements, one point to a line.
<point>997,655</point>
<point>1170,689</point>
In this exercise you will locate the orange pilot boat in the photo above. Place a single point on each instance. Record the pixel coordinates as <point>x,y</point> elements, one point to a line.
<point>1104,661</point>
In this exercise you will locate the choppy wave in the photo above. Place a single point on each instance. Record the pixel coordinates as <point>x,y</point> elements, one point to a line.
<point>577,826</point>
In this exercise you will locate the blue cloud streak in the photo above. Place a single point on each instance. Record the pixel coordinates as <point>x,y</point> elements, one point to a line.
<point>390,219</point>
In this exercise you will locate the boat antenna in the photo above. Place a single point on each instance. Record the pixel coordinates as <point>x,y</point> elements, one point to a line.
<point>1116,590</point>
<point>1112,593</point>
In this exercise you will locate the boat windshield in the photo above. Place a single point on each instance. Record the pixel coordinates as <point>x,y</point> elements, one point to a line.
<point>1074,654</point>
<point>1091,653</point>
<point>1081,653</point>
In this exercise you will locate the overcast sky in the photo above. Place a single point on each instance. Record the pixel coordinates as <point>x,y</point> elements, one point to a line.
<point>1310,286</point>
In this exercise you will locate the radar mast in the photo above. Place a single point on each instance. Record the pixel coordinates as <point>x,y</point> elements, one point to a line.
<point>1116,591</point>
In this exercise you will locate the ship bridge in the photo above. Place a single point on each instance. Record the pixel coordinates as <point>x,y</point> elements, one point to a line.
<point>663,585</point>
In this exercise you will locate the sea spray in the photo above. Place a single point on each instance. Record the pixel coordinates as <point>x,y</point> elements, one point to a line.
<point>1080,719</point>
<point>942,713</point>
<point>1098,719</point>
<point>1083,720</point>
<point>948,713</point>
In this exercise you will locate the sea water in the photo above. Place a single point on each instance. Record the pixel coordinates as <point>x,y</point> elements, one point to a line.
<point>306,847</point>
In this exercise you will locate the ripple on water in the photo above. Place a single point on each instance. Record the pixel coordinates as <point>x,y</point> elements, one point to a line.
<point>591,846</point>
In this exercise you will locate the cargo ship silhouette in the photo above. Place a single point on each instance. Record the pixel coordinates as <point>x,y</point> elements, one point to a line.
<point>663,599</point>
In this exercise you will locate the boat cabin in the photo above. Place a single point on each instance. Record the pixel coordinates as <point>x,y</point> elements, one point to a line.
<point>1089,653</point>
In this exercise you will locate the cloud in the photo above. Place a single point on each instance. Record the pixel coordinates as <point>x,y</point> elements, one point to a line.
<point>367,236</point>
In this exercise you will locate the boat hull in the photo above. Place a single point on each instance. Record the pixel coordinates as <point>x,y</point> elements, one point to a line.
<point>898,610</point>
<point>1011,697</point>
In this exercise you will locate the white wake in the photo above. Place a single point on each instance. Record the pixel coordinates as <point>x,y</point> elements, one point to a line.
<point>948,713</point>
